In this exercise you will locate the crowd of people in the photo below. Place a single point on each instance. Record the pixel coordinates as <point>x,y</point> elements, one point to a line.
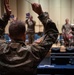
<point>18,58</point>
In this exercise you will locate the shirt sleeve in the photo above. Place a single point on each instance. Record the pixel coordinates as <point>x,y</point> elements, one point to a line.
<point>3,23</point>
<point>40,49</point>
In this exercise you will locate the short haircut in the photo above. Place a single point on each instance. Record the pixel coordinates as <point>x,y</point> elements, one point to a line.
<point>17,28</point>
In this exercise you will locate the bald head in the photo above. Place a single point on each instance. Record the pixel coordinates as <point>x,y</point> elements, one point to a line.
<point>16,29</point>
<point>67,21</point>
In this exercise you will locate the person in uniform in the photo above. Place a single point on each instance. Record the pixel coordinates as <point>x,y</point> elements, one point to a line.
<point>18,59</point>
<point>67,33</point>
<point>30,28</point>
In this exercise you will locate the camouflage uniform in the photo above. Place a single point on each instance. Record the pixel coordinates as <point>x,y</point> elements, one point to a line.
<point>30,30</point>
<point>67,35</point>
<point>17,58</point>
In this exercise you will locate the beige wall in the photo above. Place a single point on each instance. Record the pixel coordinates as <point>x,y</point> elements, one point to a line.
<point>1,7</point>
<point>58,10</point>
<point>65,10</point>
<point>72,11</point>
<point>13,6</point>
<point>54,11</point>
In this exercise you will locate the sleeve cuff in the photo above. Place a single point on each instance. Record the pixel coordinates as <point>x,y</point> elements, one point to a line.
<point>43,15</point>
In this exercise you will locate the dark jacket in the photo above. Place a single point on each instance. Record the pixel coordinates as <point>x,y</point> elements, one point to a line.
<point>17,58</point>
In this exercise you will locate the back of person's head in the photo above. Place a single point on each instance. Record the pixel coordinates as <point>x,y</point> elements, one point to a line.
<point>16,29</point>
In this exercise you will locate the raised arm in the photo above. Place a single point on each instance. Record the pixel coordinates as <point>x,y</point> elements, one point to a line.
<point>5,17</point>
<point>42,46</point>
<point>44,17</point>
<point>7,7</point>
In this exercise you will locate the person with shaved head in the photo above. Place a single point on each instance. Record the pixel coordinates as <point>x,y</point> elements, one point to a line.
<point>67,33</point>
<point>16,58</point>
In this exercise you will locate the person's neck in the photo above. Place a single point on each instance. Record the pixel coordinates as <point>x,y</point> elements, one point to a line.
<point>19,41</point>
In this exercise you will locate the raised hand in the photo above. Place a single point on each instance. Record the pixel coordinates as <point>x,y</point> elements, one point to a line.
<point>37,8</point>
<point>7,7</point>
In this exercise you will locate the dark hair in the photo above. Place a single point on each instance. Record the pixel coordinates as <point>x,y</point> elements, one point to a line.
<point>16,28</point>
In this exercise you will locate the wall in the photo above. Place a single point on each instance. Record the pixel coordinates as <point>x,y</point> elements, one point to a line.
<point>72,11</point>
<point>23,8</point>
<point>58,10</point>
<point>0,8</point>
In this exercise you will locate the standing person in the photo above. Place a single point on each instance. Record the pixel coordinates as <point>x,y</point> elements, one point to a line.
<point>67,32</point>
<point>18,59</point>
<point>30,29</point>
